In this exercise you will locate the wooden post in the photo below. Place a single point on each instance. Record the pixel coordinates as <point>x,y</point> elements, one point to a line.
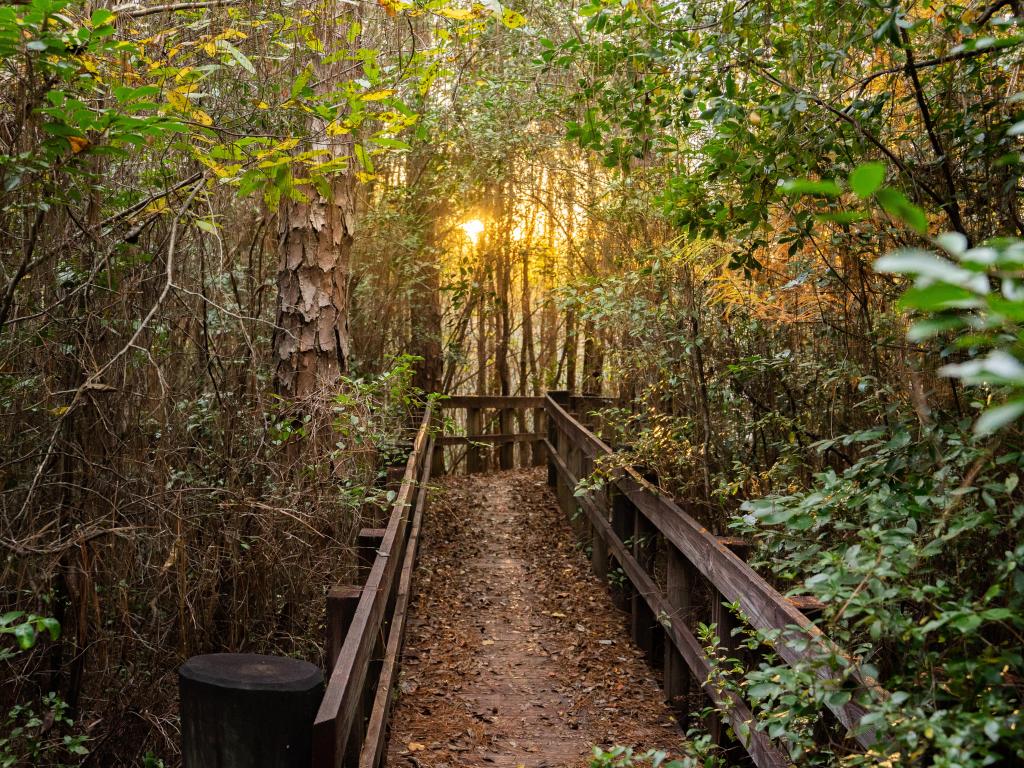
<point>341,607</point>
<point>647,632</point>
<point>725,623</point>
<point>622,524</point>
<point>565,498</point>
<point>243,710</point>
<point>507,451</point>
<point>342,602</point>
<point>474,426</point>
<point>367,544</point>
<point>598,546</point>
<point>538,429</point>
<point>680,578</point>
<point>554,434</point>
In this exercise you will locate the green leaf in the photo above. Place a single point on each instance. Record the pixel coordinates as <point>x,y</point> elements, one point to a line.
<point>867,178</point>
<point>52,627</point>
<point>996,418</point>
<point>300,82</point>
<point>921,263</point>
<point>825,187</point>
<point>896,205</point>
<point>238,56</point>
<point>25,634</point>
<point>101,16</point>
<point>939,296</point>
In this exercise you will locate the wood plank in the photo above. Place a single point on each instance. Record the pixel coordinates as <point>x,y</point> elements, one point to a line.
<point>764,753</point>
<point>766,608</point>
<point>489,439</point>
<point>491,401</point>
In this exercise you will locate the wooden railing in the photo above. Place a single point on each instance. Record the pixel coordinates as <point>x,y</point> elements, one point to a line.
<point>628,522</point>
<point>366,623</point>
<point>492,430</point>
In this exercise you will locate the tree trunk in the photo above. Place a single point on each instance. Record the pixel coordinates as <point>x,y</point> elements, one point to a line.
<point>312,343</point>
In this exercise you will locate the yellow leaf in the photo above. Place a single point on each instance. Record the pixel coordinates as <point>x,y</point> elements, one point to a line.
<point>511,19</point>
<point>459,14</point>
<point>60,411</point>
<point>415,746</point>
<point>263,105</point>
<point>334,128</point>
<point>177,100</point>
<point>202,117</point>
<point>378,95</point>
<point>210,48</point>
<point>78,144</point>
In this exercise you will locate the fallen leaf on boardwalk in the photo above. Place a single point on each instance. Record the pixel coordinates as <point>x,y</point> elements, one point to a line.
<point>498,561</point>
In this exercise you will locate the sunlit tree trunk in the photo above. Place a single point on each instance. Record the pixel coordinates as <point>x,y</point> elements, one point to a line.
<point>312,343</point>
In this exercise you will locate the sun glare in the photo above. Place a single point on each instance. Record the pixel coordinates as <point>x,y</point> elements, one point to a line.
<point>473,229</point>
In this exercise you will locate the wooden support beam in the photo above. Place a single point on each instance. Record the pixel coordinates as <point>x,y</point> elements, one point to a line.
<point>622,525</point>
<point>507,451</point>
<point>491,439</point>
<point>491,401</point>
<point>539,454</point>
<point>341,607</point>
<point>725,624</point>
<point>367,544</point>
<point>680,582</point>
<point>647,632</point>
<point>474,426</point>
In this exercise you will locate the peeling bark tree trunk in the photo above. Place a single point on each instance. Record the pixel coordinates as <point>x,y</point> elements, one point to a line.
<point>312,343</point>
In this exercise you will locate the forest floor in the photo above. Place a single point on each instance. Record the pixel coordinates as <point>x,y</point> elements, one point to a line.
<point>515,654</point>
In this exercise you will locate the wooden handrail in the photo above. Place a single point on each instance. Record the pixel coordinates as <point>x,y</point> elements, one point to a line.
<point>348,680</point>
<point>492,401</point>
<point>798,639</point>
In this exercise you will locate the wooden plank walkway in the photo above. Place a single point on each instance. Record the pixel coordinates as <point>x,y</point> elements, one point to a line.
<point>515,655</point>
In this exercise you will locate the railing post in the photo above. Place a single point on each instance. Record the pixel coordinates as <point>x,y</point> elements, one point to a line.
<point>507,451</point>
<point>724,623</point>
<point>474,426</point>
<point>598,546</point>
<point>680,578</point>
<point>554,434</point>
<point>242,710</point>
<point>645,627</point>
<point>622,525</point>
<point>538,429</point>
<point>341,608</point>
<point>367,543</point>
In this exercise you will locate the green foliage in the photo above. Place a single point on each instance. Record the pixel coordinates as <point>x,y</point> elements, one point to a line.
<point>916,552</point>
<point>973,297</point>
<point>700,754</point>
<point>45,737</point>
<point>26,630</point>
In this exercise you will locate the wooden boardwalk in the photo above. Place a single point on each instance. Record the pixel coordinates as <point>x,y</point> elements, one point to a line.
<point>514,654</point>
